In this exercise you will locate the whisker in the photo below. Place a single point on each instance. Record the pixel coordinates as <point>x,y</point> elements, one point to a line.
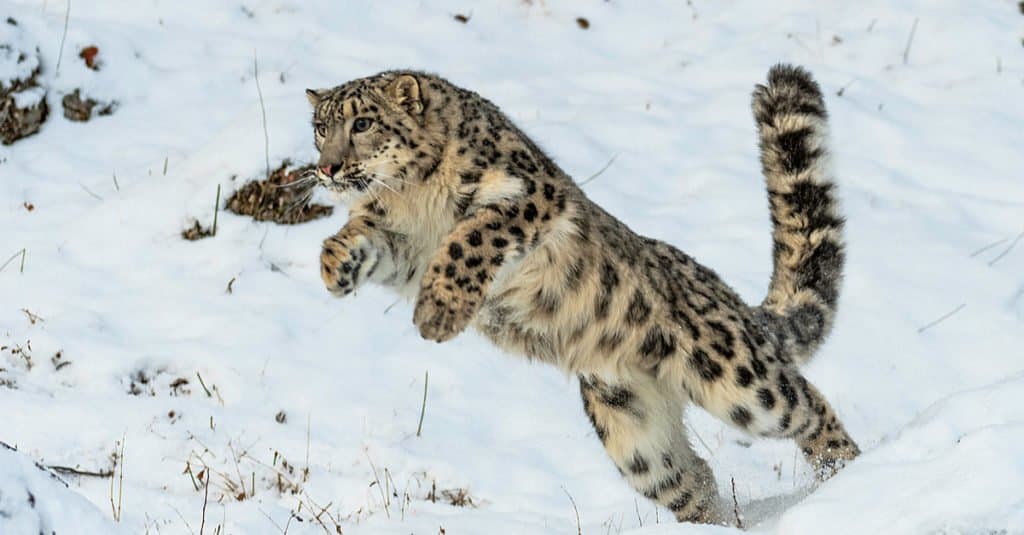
<point>391,177</point>
<point>298,182</point>
<point>373,194</point>
<point>301,203</point>
<point>382,183</point>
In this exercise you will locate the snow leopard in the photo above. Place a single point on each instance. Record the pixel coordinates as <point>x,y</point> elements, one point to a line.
<point>456,209</point>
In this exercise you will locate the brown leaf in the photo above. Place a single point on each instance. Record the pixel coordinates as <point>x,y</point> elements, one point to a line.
<point>89,55</point>
<point>461,18</point>
<point>583,23</point>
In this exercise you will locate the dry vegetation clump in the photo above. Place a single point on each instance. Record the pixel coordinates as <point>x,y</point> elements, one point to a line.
<point>196,232</point>
<point>283,197</point>
<point>142,382</point>
<point>458,497</point>
<point>23,105</point>
<point>80,109</point>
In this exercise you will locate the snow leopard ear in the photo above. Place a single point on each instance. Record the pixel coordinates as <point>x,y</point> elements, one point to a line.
<point>405,92</point>
<point>313,96</point>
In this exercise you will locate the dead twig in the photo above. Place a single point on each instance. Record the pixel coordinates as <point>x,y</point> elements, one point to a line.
<point>216,210</point>
<point>376,479</point>
<point>987,247</point>
<point>1007,250</point>
<point>79,472</point>
<point>32,317</point>
<point>305,471</point>
<point>238,470</point>
<point>423,408</point>
<point>263,110</point>
<point>182,517</point>
<point>910,41</point>
<point>203,384</point>
<point>11,259</point>
<point>278,526</point>
<point>206,499</point>
<point>63,37</point>
<point>941,319</point>
<point>603,169</point>
<point>90,192</point>
<point>736,504</point>
<point>579,526</point>
<point>115,509</point>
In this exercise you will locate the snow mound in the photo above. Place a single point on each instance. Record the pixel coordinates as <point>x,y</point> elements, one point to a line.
<point>956,468</point>
<point>34,500</point>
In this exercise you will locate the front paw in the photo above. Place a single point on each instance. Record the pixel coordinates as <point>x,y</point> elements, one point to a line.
<point>833,459</point>
<point>345,262</point>
<point>442,312</point>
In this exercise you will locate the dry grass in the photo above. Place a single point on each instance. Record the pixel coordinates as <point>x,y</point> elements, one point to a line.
<point>457,497</point>
<point>16,122</point>
<point>196,232</point>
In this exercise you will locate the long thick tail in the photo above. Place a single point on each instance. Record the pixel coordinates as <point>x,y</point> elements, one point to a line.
<point>808,250</point>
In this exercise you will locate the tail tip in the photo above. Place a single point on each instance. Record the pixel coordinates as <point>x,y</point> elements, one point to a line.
<point>790,89</point>
<point>784,75</point>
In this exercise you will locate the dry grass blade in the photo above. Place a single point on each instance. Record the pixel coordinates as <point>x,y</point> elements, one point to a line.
<point>63,37</point>
<point>216,210</point>
<point>602,170</point>
<point>987,247</point>
<point>78,472</point>
<point>423,408</point>
<point>115,508</point>
<point>90,192</point>
<point>736,504</point>
<point>263,109</point>
<point>944,317</point>
<point>376,480</point>
<point>206,499</point>
<point>910,41</point>
<point>579,526</point>
<point>13,256</point>
<point>1007,250</point>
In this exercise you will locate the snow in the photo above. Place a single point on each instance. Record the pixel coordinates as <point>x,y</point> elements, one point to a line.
<point>928,157</point>
<point>17,56</point>
<point>29,97</point>
<point>33,500</point>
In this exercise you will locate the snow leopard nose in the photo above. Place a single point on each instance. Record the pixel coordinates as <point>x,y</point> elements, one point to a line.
<point>330,170</point>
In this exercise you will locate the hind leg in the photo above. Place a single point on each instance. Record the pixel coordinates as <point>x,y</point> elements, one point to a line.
<point>642,430</point>
<point>778,402</point>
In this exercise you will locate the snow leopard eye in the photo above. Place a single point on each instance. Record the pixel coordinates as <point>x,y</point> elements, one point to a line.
<point>362,124</point>
<point>321,129</point>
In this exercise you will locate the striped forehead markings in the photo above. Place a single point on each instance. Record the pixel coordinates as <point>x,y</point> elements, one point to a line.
<point>349,107</point>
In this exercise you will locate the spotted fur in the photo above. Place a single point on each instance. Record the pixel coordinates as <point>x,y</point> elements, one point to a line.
<point>456,209</point>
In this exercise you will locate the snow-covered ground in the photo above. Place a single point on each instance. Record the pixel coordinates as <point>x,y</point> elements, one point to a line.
<point>305,416</point>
